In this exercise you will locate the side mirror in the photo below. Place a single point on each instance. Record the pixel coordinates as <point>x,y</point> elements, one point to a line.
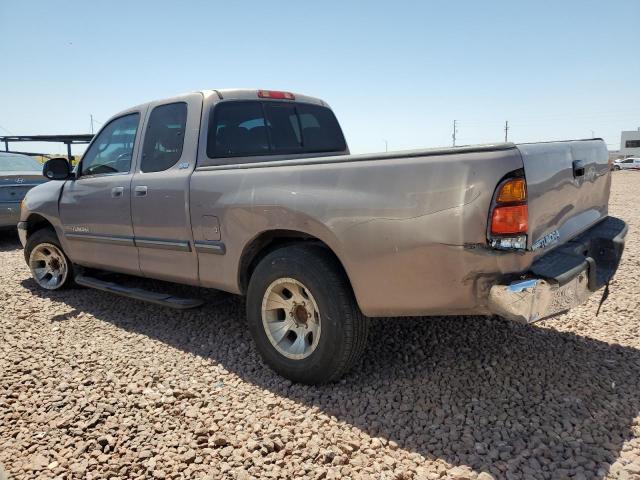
<point>56,169</point>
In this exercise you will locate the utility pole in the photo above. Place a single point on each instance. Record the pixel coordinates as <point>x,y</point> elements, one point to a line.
<point>506,131</point>
<point>455,130</point>
<point>386,146</point>
<point>593,134</point>
<point>91,115</point>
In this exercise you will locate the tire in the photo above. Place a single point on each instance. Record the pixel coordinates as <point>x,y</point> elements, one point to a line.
<point>333,343</point>
<point>616,168</point>
<point>43,251</point>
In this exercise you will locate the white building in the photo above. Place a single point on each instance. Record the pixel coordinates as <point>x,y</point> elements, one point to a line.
<point>630,143</point>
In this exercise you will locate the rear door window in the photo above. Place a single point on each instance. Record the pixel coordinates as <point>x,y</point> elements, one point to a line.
<point>164,138</point>
<point>249,128</point>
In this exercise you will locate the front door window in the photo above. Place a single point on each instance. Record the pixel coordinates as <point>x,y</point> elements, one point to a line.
<point>111,152</point>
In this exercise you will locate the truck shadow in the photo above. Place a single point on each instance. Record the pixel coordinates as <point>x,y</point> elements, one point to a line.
<point>9,240</point>
<point>484,393</point>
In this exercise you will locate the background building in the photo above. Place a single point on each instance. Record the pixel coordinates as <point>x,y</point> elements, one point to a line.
<point>630,143</point>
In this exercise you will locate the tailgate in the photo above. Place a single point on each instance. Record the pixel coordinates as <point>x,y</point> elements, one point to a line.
<point>567,188</point>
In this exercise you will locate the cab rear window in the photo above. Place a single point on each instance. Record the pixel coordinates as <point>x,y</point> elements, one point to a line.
<point>250,128</point>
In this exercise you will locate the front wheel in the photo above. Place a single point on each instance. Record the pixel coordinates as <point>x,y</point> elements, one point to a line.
<point>50,267</point>
<point>303,316</point>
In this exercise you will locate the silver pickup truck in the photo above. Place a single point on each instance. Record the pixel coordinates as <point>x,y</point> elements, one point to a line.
<point>254,192</point>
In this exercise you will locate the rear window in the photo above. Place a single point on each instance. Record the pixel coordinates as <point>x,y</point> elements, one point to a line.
<point>249,128</point>
<point>11,162</point>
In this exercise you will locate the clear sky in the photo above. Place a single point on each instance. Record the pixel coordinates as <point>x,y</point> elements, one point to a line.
<point>395,71</point>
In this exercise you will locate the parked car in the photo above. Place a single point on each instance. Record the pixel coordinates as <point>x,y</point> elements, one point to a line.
<point>256,193</point>
<point>632,163</point>
<point>18,174</point>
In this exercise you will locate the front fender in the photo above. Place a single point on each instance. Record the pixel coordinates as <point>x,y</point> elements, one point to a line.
<point>43,201</point>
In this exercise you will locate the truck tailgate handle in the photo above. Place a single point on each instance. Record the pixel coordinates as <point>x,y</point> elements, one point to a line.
<point>117,192</point>
<point>140,191</point>
<point>578,168</point>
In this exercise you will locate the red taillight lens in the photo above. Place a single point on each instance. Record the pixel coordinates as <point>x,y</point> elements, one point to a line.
<point>276,95</point>
<point>509,220</point>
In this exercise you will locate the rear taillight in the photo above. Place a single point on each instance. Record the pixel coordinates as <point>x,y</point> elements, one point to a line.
<point>276,95</point>
<point>509,219</point>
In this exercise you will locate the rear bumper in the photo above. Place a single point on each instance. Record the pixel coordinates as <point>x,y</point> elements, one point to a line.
<point>9,214</point>
<point>565,277</point>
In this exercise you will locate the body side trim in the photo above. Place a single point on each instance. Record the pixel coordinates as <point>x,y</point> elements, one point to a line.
<point>210,246</point>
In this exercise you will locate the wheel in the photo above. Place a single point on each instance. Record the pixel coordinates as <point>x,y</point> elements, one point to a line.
<point>616,168</point>
<point>50,267</point>
<point>303,316</point>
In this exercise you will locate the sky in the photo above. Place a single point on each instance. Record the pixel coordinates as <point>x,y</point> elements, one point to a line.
<point>396,72</point>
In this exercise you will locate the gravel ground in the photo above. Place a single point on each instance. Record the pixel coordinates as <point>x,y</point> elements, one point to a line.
<point>95,386</point>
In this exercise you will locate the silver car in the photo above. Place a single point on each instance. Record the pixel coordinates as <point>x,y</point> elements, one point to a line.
<point>632,163</point>
<point>18,175</point>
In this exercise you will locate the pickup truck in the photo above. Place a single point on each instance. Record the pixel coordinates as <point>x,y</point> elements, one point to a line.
<point>254,192</point>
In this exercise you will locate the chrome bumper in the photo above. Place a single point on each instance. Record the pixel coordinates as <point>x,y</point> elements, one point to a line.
<point>565,277</point>
<point>528,301</point>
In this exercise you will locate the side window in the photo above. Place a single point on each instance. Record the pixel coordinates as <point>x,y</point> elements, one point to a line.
<point>164,138</point>
<point>111,152</point>
<point>238,129</point>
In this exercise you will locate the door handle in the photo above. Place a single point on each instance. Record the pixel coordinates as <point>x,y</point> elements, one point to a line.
<point>117,192</point>
<point>140,191</point>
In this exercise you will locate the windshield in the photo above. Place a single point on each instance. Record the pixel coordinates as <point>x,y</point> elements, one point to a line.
<point>18,163</point>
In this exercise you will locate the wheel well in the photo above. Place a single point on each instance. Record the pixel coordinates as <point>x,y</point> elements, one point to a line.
<point>37,222</point>
<point>269,241</point>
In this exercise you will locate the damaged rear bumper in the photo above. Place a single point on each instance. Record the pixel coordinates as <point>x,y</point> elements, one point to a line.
<point>565,277</point>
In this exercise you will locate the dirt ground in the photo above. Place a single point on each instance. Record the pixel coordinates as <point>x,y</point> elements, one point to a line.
<point>96,386</point>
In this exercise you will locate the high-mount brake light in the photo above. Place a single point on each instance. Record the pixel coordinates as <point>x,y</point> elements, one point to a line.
<point>276,95</point>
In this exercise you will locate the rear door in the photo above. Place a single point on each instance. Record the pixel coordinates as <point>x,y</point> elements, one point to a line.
<point>568,187</point>
<point>95,208</point>
<point>160,190</point>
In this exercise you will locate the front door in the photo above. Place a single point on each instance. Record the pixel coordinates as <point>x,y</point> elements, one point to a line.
<point>95,208</point>
<point>160,191</point>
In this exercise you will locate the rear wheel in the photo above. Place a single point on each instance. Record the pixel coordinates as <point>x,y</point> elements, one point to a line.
<point>303,316</point>
<point>50,267</point>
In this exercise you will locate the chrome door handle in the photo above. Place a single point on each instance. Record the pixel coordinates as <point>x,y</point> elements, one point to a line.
<point>117,192</point>
<point>140,191</point>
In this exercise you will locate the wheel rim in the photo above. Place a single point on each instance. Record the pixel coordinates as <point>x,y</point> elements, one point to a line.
<point>48,266</point>
<point>291,318</point>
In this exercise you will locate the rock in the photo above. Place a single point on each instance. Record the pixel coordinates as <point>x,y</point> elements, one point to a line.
<point>220,441</point>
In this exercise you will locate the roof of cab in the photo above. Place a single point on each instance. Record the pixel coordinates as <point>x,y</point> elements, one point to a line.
<point>252,94</point>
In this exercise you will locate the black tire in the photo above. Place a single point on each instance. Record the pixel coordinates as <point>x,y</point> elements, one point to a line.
<point>48,235</point>
<point>616,168</point>
<point>343,327</point>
